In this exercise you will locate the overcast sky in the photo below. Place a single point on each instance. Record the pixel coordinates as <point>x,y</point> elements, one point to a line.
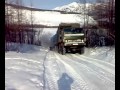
<point>50,4</point>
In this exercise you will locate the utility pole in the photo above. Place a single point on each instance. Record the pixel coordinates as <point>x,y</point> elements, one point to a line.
<point>32,37</point>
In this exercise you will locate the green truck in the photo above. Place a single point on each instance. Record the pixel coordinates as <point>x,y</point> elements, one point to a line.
<point>70,38</point>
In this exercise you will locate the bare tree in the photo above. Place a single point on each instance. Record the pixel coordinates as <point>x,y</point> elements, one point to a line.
<point>32,34</point>
<point>8,21</point>
<point>106,16</point>
<point>14,19</point>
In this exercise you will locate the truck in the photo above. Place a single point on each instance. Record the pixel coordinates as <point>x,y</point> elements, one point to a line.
<point>70,38</point>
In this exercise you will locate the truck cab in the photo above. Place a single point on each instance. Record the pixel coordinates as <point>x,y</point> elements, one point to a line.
<point>71,38</point>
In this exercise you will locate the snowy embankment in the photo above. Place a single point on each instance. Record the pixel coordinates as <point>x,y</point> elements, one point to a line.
<point>101,53</point>
<point>37,68</point>
<point>24,67</point>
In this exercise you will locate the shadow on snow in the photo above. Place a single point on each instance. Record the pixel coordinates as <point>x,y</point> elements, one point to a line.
<point>64,83</point>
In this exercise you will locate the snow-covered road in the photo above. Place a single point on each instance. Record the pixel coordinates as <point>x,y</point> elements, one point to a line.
<point>48,70</point>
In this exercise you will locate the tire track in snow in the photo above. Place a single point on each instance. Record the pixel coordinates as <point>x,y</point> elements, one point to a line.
<point>95,63</point>
<point>97,72</point>
<point>98,61</point>
<point>95,67</point>
<point>75,85</point>
<point>80,83</point>
<point>44,72</point>
<point>52,72</point>
<point>105,80</point>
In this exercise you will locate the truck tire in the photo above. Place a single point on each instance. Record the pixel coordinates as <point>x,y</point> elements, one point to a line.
<point>59,49</point>
<point>63,51</point>
<point>66,50</point>
<point>81,50</point>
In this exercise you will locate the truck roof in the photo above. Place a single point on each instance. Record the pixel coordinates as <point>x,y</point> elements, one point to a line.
<point>75,25</point>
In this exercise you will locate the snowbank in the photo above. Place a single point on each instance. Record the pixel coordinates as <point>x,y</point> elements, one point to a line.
<point>102,53</point>
<point>23,48</point>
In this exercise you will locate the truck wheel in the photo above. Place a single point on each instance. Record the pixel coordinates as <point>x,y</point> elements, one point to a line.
<point>66,50</point>
<point>81,50</point>
<point>63,51</point>
<point>59,49</point>
<point>71,51</point>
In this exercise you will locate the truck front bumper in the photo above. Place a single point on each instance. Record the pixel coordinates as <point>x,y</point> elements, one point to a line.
<point>74,44</point>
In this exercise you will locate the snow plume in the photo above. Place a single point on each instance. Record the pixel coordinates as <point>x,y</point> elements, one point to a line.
<point>46,36</point>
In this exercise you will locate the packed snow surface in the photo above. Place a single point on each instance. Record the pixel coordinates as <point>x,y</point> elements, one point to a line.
<point>37,68</point>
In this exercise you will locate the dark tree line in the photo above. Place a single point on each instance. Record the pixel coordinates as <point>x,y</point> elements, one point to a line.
<point>103,11</point>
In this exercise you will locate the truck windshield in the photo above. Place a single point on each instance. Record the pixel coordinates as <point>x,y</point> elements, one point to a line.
<point>73,31</point>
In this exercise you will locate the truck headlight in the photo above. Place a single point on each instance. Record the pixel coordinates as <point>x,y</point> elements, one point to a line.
<point>66,40</point>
